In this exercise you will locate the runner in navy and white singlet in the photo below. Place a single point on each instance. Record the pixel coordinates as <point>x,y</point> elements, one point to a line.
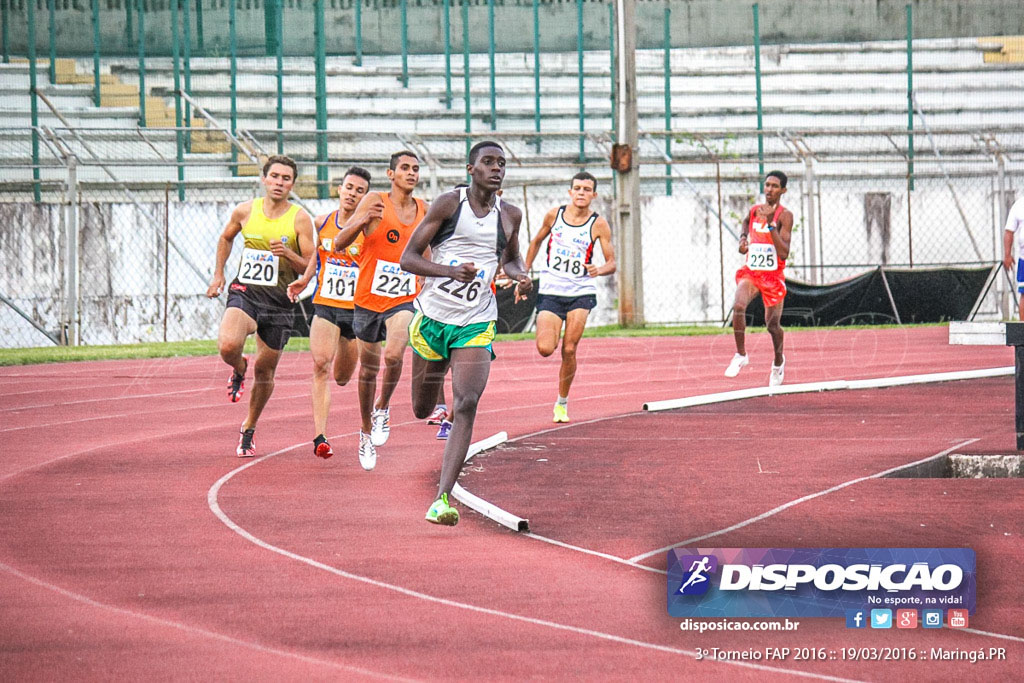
<point>567,291</point>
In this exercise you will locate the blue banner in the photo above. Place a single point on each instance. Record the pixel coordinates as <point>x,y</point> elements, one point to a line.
<point>817,582</point>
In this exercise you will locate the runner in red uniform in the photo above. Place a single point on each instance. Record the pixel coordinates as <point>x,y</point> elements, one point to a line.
<point>765,239</point>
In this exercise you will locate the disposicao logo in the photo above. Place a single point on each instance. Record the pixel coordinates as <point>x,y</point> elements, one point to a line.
<point>823,582</point>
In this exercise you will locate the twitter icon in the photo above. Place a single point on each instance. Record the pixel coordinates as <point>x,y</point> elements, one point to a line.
<point>881,618</point>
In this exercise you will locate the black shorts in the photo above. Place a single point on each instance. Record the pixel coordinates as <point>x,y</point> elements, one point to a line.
<point>339,317</point>
<point>273,324</point>
<point>561,305</point>
<point>370,325</point>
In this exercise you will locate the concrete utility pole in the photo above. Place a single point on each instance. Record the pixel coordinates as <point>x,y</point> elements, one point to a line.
<point>627,223</point>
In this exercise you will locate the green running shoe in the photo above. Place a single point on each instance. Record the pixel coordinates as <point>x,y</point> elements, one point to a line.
<point>442,513</point>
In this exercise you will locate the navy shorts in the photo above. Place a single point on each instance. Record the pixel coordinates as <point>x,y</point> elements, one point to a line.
<point>1020,276</point>
<point>370,325</point>
<point>561,305</point>
<point>339,317</point>
<point>273,324</point>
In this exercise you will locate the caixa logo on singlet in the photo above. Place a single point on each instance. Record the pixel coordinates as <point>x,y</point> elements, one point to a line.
<point>822,582</point>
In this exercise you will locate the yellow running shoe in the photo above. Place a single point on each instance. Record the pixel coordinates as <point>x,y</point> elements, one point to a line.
<point>561,413</point>
<point>442,513</point>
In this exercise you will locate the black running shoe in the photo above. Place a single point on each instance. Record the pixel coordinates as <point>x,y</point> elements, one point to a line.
<point>246,443</point>
<point>236,385</point>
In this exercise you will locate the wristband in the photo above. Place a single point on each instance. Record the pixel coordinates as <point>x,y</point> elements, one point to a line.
<point>771,227</point>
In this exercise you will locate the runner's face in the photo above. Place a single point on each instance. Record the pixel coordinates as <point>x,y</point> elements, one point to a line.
<point>406,174</point>
<point>350,191</point>
<point>489,169</point>
<point>279,181</point>
<point>582,193</point>
<point>773,190</point>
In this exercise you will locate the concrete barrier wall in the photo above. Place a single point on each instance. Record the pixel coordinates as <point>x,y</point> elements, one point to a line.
<point>694,23</point>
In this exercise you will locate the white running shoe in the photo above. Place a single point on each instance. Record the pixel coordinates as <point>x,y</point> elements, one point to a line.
<point>367,453</point>
<point>737,363</point>
<point>380,429</point>
<point>778,374</point>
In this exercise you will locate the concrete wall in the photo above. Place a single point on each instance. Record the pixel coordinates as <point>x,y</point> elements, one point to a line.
<point>694,23</point>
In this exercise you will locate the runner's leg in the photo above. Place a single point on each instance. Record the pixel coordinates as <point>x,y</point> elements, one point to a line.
<point>394,353</point>
<point>549,327</point>
<point>369,365</point>
<point>322,334</point>
<point>263,384</point>
<point>470,369</point>
<point>235,326</point>
<point>575,323</point>
<point>773,318</point>
<point>427,382</point>
<point>345,358</point>
<point>745,293</point>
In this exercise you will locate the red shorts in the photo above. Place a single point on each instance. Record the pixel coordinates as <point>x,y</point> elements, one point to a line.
<point>771,284</point>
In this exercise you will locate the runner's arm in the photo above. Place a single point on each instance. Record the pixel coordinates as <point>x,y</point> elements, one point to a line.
<point>744,231</point>
<point>603,232</point>
<point>224,242</point>
<point>413,259</point>
<point>511,258</point>
<point>782,234</point>
<point>1008,249</point>
<point>545,230</point>
<point>364,219</point>
<point>304,236</point>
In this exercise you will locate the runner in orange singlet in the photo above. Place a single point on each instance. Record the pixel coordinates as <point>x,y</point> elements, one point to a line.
<point>384,294</point>
<point>331,337</point>
<point>765,239</point>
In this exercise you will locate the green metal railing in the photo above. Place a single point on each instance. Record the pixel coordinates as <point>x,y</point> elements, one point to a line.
<point>188,37</point>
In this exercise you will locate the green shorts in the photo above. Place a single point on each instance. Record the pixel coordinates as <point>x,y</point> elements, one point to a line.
<point>432,340</point>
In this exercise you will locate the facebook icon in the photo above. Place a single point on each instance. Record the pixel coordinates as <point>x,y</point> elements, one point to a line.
<point>856,618</point>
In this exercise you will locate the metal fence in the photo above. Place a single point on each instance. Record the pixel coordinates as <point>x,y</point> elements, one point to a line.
<point>119,250</point>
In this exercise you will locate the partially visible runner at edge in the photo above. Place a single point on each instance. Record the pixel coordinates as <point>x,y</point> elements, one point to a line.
<point>471,233</point>
<point>331,337</point>
<point>384,294</point>
<point>278,242</point>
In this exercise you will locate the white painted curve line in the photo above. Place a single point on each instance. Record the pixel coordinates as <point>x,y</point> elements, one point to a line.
<point>993,635</point>
<point>211,500</point>
<point>833,385</point>
<point>803,499</point>
<point>193,630</point>
<point>595,553</point>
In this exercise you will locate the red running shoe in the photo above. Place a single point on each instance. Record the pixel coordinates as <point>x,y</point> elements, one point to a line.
<point>321,448</point>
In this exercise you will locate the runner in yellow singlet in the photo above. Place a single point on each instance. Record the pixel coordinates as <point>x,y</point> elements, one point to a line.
<point>278,244</point>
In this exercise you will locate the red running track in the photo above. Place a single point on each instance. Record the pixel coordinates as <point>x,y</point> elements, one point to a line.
<point>114,565</point>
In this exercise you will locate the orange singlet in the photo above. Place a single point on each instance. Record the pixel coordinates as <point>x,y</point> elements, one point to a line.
<point>382,283</point>
<point>763,266</point>
<point>336,274</point>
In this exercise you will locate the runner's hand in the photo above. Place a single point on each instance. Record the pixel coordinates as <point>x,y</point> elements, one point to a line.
<point>743,245</point>
<point>216,287</point>
<point>277,247</point>
<point>523,287</point>
<point>464,272</point>
<point>592,270</point>
<point>296,287</point>
<point>1008,262</point>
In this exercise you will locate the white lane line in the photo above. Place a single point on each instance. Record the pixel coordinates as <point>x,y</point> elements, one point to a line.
<point>595,553</point>
<point>195,630</point>
<point>993,635</point>
<point>833,385</point>
<point>211,500</point>
<point>802,499</point>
